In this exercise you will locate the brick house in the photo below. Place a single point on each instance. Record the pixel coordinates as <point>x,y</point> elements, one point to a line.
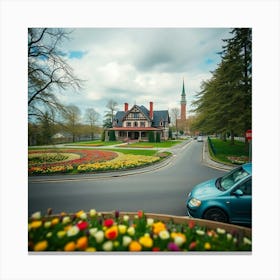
<point>138,122</point>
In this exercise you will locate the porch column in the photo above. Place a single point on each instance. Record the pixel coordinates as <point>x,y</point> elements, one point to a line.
<point>139,135</point>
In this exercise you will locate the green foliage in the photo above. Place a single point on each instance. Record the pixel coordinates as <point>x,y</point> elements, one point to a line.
<point>46,158</point>
<point>112,136</point>
<point>103,136</point>
<point>163,144</point>
<point>158,137</point>
<point>135,152</point>
<point>223,151</point>
<point>151,137</point>
<point>224,102</point>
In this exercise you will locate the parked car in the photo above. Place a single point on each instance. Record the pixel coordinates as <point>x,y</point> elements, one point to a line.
<point>199,139</point>
<point>224,199</point>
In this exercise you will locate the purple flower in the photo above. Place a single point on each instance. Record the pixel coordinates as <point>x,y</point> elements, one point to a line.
<point>117,214</point>
<point>173,247</point>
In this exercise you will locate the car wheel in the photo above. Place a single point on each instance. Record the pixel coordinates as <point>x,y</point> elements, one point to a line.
<point>215,214</point>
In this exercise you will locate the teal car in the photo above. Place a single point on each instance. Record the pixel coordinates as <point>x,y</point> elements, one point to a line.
<point>225,199</point>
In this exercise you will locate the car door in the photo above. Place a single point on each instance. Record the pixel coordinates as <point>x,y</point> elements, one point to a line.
<point>240,203</point>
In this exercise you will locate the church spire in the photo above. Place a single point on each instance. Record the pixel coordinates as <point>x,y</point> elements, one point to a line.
<point>183,95</point>
<point>183,90</point>
<point>183,103</point>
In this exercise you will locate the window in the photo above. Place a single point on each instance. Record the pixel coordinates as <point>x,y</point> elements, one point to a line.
<point>233,177</point>
<point>136,116</point>
<point>128,124</point>
<point>135,124</point>
<point>246,187</point>
<point>142,124</point>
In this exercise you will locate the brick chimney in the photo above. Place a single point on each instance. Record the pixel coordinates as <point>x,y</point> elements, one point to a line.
<point>125,107</point>
<point>151,114</point>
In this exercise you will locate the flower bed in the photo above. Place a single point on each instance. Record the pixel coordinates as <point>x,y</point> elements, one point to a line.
<point>91,161</point>
<point>134,232</point>
<point>122,162</point>
<point>85,156</point>
<point>238,160</point>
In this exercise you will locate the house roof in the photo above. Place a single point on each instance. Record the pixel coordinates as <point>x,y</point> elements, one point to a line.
<point>158,116</point>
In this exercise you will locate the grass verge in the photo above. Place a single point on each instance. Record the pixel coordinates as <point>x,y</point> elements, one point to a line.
<point>227,153</point>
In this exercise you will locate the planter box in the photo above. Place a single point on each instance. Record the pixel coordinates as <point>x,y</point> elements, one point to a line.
<point>185,220</point>
<point>133,231</point>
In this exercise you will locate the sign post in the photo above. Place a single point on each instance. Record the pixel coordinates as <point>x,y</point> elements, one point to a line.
<point>248,136</point>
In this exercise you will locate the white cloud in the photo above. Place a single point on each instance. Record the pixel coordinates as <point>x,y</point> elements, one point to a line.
<point>142,65</point>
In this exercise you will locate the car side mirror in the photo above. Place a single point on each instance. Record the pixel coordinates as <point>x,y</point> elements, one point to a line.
<point>238,192</point>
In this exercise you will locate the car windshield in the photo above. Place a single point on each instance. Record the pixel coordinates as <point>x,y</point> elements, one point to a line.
<point>230,179</point>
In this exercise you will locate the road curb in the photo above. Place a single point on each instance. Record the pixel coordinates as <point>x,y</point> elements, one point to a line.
<point>206,159</point>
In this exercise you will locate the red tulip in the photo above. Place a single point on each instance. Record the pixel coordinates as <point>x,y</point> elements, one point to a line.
<point>108,222</point>
<point>191,224</point>
<point>140,214</point>
<point>82,225</point>
<point>192,245</point>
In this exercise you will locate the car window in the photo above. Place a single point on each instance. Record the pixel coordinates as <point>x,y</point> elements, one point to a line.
<point>246,187</point>
<point>232,178</point>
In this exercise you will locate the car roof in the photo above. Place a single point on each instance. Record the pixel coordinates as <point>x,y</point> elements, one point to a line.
<point>248,167</point>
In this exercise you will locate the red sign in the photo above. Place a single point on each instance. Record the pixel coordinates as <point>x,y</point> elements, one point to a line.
<point>248,134</point>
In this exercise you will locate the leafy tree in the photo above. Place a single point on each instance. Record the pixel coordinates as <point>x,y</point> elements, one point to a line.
<point>224,103</point>
<point>241,45</point>
<point>48,71</point>
<point>110,114</point>
<point>107,123</point>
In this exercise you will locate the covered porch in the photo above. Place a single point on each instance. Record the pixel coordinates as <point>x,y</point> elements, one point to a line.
<point>133,133</point>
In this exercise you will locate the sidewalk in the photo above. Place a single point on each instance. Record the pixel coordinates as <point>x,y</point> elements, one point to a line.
<point>206,159</point>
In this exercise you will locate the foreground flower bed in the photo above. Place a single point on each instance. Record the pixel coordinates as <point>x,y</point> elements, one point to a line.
<point>135,232</point>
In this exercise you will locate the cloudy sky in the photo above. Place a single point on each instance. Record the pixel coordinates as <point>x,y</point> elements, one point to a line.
<point>139,65</point>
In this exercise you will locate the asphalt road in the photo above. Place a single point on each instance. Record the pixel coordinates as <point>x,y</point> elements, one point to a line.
<point>161,190</point>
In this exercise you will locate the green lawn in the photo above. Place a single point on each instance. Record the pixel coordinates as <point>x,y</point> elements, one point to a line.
<point>224,150</point>
<point>94,143</point>
<point>165,144</point>
<point>135,152</point>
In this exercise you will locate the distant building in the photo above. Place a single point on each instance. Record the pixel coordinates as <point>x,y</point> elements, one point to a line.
<point>182,123</point>
<point>138,122</point>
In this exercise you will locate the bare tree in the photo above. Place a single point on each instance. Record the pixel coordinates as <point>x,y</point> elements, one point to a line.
<point>91,117</point>
<point>175,113</point>
<point>48,71</point>
<point>71,115</point>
